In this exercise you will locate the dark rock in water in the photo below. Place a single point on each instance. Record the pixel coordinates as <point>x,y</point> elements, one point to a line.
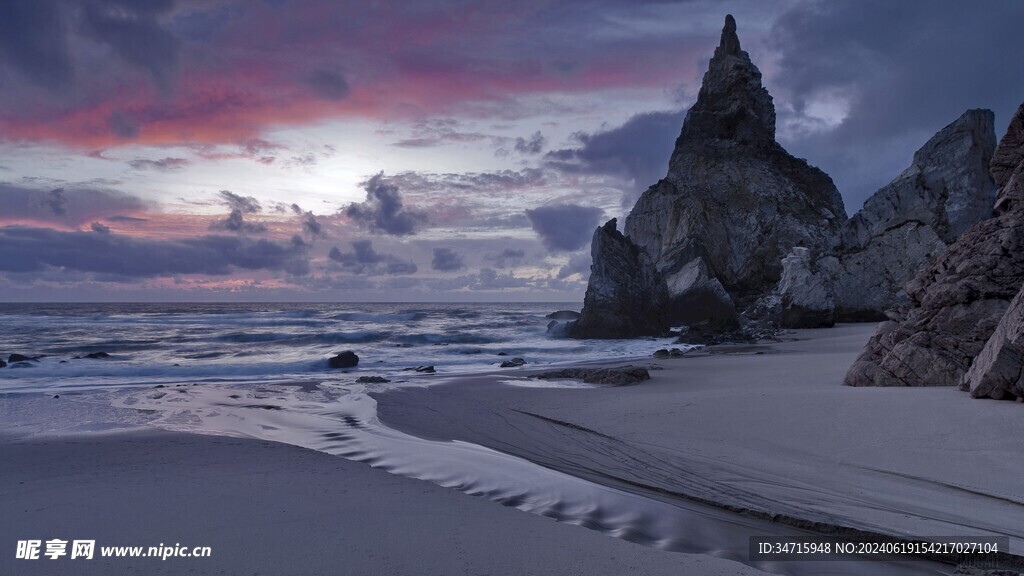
<point>502,353</point>
<point>946,190</point>
<point>957,301</point>
<point>422,369</point>
<point>559,327</point>
<point>625,297</point>
<point>372,380</point>
<point>56,395</point>
<point>564,315</point>
<point>998,371</point>
<point>513,363</point>
<point>707,241</point>
<point>346,359</point>
<point>2,364</point>
<point>97,355</point>
<point>18,358</point>
<point>621,376</point>
<point>666,353</point>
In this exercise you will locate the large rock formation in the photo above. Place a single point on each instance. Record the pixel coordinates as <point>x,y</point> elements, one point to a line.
<point>957,301</point>
<point>625,296</point>
<point>946,190</point>
<point>998,371</point>
<point>733,203</point>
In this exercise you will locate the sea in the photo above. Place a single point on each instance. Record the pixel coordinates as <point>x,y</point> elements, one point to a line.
<point>170,344</point>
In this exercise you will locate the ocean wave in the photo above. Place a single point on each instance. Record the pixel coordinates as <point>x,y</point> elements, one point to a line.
<point>380,318</point>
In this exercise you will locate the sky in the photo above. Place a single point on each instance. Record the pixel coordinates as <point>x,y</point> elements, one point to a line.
<point>436,150</point>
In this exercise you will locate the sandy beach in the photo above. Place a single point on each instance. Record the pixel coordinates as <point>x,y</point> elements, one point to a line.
<point>271,509</point>
<point>766,429</point>
<point>670,476</point>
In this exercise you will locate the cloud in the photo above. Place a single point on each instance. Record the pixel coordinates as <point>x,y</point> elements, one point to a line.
<point>637,151</point>
<point>33,40</point>
<point>27,250</point>
<point>235,222</point>
<point>164,164</point>
<point>564,227</point>
<point>246,204</point>
<point>365,260</point>
<point>383,211</point>
<point>99,228</point>
<point>131,29</point>
<point>123,125</point>
<point>446,260</point>
<point>309,222</point>
<point>329,84</point>
<point>55,201</point>
<point>535,145</point>
<point>71,205</point>
<point>507,257</point>
<point>579,263</point>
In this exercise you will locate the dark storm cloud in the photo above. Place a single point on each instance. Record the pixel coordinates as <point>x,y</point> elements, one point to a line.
<point>383,211</point>
<point>99,228</point>
<point>365,260</point>
<point>133,32</point>
<point>55,201</point>
<point>33,41</point>
<point>309,222</point>
<point>535,145</point>
<point>637,151</point>
<point>564,227</point>
<point>68,205</point>
<point>246,204</point>
<point>129,219</point>
<point>38,249</point>
<point>235,222</point>
<point>329,84</point>
<point>507,257</point>
<point>906,69</point>
<point>446,260</point>
<point>163,164</point>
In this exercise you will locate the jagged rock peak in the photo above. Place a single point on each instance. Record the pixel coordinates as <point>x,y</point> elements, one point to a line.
<point>730,43</point>
<point>732,104</point>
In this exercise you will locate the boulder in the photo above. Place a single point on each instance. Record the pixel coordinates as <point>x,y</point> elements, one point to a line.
<point>3,364</point>
<point>513,363</point>
<point>372,380</point>
<point>564,315</point>
<point>625,296</point>
<point>97,355</point>
<point>18,358</point>
<point>420,369</point>
<point>998,371</point>
<point>346,359</point>
<point>805,291</point>
<point>957,301</point>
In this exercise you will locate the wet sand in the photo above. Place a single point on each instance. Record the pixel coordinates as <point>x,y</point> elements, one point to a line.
<point>273,509</point>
